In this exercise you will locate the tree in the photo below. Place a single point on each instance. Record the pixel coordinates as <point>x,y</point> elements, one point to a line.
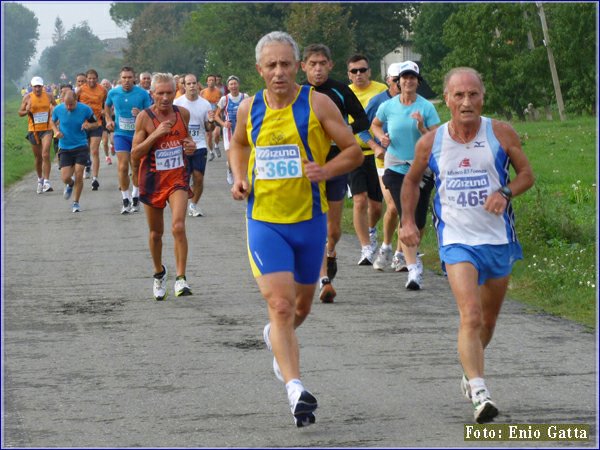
<point>572,29</point>
<point>59,31</point>
<point>324,23</point>
<point>124,14</point>
<point>77,52</point>
<point>20,36</point>
<point>428,32</point>
<point>156,41</point>
<point>228,34</point>
<point>498,48</point>
<point>380,27</point>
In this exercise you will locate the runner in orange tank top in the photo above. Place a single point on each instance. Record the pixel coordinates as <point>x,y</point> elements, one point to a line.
<point>159,144</point>
<point>94,95</point>
<point>37,105</point>
<point>212,94</point>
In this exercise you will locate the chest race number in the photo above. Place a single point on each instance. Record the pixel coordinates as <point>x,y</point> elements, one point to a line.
<point>472,198</point>
<point>282,169</point>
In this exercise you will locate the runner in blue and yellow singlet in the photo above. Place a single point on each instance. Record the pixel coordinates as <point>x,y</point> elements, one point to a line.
<point>278,158</point>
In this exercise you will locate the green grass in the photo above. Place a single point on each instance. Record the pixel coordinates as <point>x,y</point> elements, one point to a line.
<point>556,221</point>
<point>16,151</point>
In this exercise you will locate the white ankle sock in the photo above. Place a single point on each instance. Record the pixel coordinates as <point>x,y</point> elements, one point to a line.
<point>135,192</point>
<point>477,384</point>
<point>294,388</point>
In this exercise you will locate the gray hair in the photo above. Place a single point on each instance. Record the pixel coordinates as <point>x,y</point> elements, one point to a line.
<point>162,78</point>
<point>280,37</point>
<point>458,70</point>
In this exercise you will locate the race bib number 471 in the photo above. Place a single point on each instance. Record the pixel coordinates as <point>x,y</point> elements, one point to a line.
<point>169,159</point>
<point>277,162</point>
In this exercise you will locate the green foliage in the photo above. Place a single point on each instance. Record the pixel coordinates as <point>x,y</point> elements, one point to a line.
<point>323,23</point>
<point>504,41</point>
<point>380,27</point>
<point>124,14</point>
<point>157,45</point>
<point>16,151</point>
<point>228,34</point>
<point>59,31</point>
<point>572,29</point>
<point>428,30</point>
<point>20,37</point>
<point>77,52</point>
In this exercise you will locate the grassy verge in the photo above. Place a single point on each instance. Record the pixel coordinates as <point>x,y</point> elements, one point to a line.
<point>16,152</point>
<point>556,221</point>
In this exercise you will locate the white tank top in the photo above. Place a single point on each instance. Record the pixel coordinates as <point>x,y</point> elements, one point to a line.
<point>466,174</point>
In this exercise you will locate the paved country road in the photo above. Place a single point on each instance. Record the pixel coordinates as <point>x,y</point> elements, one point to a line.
<point>91,360</point>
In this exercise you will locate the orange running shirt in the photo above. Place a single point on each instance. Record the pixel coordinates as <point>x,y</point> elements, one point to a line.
<point>94,98</point>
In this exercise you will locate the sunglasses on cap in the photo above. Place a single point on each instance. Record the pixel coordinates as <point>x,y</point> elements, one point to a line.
<point>358,70</point>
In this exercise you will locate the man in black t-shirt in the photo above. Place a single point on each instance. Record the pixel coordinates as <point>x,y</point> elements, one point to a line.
<point>317,64</point>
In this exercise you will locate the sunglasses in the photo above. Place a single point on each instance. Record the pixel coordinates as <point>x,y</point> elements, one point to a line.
<point>359,70</point>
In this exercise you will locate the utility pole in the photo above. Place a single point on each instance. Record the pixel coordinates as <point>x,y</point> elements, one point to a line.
<point>559,99</point>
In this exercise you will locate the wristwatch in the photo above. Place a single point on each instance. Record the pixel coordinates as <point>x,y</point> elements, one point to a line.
<point>505,192</point>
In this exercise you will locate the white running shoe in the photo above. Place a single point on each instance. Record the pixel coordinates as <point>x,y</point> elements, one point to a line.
<point>384,259</point>
<point>211,155</point>
<point>194,210</point>
<point>135,204</point>
<point>40,188</point>
<point>182,288</point>
<point>229,176</point>
<point>76,207</point>
<point>47,188</point>
<point>399,263</point>
<point>67,192</point>
<point>267,339</point>
<point>160,286</point>
<point>126,208</point>
<point>415,279</point>
<point>303,406</point>
<point>465,387</point>
<point>366,256</point>
<point>484,408</point>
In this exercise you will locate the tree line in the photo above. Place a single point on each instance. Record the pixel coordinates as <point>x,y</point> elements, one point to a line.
<point>503,41</point>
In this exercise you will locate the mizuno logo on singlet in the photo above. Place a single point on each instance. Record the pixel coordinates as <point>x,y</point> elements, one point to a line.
<point>273,153</point>
<point>479,144</point>
<point>459,183</point>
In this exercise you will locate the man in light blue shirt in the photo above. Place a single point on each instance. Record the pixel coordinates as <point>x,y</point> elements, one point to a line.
<point>70,122</point>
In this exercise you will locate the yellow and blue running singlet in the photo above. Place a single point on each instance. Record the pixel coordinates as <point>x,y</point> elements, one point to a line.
<point>287,225</point>
<point>280,140</point>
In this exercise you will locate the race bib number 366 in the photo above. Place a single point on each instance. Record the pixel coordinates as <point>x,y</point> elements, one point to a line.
<point>168,159</point>
<point>277,162</point>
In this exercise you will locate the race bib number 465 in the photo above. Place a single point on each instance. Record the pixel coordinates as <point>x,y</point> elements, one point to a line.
<point>169,159</point>
<point>277,162</point>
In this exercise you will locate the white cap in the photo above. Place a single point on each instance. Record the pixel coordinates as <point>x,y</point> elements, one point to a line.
<point>409,67</point>
<point>37,81</point>
<point>394,70</point>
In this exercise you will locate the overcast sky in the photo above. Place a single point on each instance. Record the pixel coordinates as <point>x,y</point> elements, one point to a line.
<point>72,13</point>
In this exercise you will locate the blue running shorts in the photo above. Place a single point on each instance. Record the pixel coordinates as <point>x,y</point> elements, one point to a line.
<point>296,248</point>
<point>123,143</point>
<point>491,261</point>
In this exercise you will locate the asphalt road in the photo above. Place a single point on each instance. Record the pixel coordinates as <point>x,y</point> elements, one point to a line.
<point>91,360</point>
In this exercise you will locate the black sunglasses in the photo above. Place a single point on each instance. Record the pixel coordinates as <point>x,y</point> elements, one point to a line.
<point>359,70</point>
